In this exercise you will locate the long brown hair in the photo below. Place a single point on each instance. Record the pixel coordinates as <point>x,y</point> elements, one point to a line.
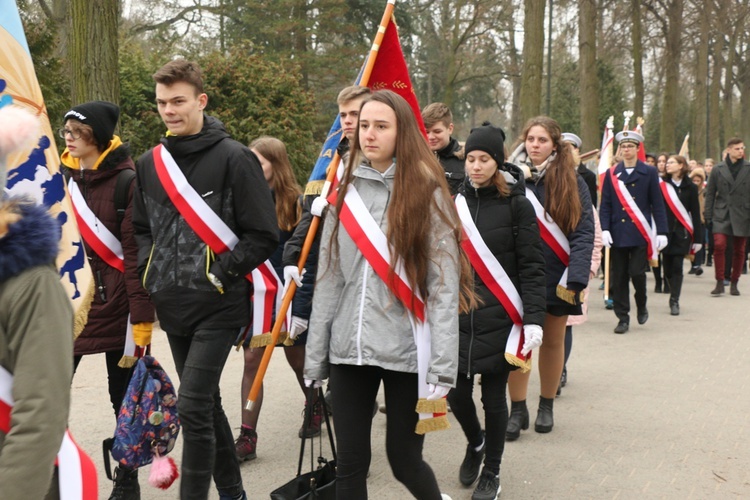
<point>561,199</point>
<point>413,202</point>
<point>283,183</point>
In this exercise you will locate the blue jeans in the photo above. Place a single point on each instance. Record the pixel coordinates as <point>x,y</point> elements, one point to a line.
<point>208,444</point>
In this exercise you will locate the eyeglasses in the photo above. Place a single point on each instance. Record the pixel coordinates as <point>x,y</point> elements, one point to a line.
<point>74,134</point>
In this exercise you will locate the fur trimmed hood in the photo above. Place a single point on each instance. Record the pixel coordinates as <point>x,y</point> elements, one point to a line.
<point>31,241</point>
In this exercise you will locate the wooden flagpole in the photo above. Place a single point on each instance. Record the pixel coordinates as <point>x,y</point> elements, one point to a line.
<point>287,300</point>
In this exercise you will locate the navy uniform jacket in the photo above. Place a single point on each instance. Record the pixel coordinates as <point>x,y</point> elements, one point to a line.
<point>643,185</point>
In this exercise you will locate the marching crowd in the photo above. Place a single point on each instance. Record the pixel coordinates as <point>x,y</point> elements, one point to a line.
<point>439,264</point>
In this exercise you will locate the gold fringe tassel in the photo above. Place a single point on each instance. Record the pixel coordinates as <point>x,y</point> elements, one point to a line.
<point>82,314</point>
<point>432,424</point>
<point>690,257</point>
<point>314,187</point>
<point>127,361</point>
<point>432,406</point>
<point>568,296</point>
<point>264,339</point>
<point>525,366</point>
<point>653,263</point>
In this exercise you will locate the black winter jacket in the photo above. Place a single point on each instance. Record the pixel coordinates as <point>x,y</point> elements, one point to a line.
<point>451,158</point>
<point>172,259</point>
<point>678,237</point>
<point>508,227</point>
<point>581,241</point>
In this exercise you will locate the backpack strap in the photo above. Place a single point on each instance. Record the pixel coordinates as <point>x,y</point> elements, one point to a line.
<point>122,190</point>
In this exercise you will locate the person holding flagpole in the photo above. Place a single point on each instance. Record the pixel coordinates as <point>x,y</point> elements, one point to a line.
<point>204,220</point>
<point>563,209</point>
<point>277,169</point>
<point>120,319</point>
<point>634,226</point>
<point>387,299</point>
<point>505,251</point>
<point>683,223</point>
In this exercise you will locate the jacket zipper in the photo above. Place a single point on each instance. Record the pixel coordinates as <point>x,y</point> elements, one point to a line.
<point>361,313</point>
<point>148,265</point>
<point>471,315</point>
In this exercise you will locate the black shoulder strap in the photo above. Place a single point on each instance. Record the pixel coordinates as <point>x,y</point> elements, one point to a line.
<point>122,189</point>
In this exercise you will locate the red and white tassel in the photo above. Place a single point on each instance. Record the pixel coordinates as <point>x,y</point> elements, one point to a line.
<point>163,472</point>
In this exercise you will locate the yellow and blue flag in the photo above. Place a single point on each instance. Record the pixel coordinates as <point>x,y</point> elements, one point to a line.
<point>36,172</point>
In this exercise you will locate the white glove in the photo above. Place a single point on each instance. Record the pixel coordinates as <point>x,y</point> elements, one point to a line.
<point>533,335</point>
<point>298,326</point>
<point>318,205</point>
<point>661,242</point>
<point>697,247</point>
<point>292,273</point>
<point>315,384</point>
<point>607,239</point>
<point>437,391</point>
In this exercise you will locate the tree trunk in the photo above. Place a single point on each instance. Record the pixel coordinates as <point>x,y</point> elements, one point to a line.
<point>93,50</point>
<point>515,79</point>
<point>636,38</point>
<point>590,126</point>
<point>672,54</point>
<point>533,57</point>
<point>739,12</point>
<point>714,101</point>
<point>698,127</point>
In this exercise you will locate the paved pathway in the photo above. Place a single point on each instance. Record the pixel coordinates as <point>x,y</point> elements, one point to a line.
<point>660,412</point>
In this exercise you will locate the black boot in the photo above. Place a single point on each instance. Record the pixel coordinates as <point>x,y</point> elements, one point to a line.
<point>519,419</point>
<point>544,420</point>
<point>719,290</point>
<point>126,485</point>
<point>674,307</point>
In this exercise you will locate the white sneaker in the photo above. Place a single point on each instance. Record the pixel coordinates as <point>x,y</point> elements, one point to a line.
<point>443,496</point>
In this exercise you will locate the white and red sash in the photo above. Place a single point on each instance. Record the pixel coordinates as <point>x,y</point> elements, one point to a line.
<point>635,214</point>
<point>373,244</point>
<point>677,208</point>
<point>97,236</point>
<point>76,471</point>
<point>106,246</point>
<point>217,235</point>
<point>497,281</point>
<point>552,235</point>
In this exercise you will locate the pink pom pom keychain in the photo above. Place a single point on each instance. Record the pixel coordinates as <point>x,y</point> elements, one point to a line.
<point>163,472</point>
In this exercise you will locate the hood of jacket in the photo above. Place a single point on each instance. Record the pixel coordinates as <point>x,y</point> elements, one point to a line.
<point>116,160</point>
<point>454,149</point>
<point>213,131</point>
<point>31,241</point>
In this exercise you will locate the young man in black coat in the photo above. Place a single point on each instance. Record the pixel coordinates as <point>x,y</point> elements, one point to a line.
<point>202,298</point>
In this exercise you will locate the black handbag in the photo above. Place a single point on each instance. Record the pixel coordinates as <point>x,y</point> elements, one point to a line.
<point>319,483</point>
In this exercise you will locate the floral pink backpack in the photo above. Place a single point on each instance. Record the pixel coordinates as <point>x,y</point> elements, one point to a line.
<point>147,424</point>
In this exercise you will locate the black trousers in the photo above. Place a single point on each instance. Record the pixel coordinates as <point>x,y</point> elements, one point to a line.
<point>117,378</point>
<point>495,414</point>
<point>355,389</point>
<point>628,264</point>
<point>673,274</point>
